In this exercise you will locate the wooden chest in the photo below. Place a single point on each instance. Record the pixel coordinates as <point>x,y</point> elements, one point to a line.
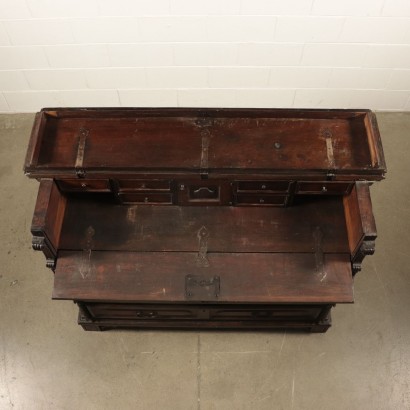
<point>204,218</point>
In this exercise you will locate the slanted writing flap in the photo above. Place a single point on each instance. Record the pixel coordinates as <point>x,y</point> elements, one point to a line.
<point>242,277</point>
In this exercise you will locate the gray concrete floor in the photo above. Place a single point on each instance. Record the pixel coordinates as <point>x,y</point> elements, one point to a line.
<point>48,362</point>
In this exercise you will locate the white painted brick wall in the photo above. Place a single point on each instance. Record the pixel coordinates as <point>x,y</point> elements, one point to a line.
<point>226,53</point>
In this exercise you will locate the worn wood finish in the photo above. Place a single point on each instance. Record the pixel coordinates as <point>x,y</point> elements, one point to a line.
<point>185,218</point>
<point>48,220</point>
<point>244,277</point>
<point>313,318</point>
<point>361,226</point>
<point>161,228</point>
<point>312,325</point>
<point>206,140</point>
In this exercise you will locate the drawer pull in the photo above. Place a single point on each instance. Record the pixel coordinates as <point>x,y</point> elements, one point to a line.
<point>324,189</point>
<point>204,189</point>
<point>198,192</point>
<point>147,315</point>
<point>84,185</point>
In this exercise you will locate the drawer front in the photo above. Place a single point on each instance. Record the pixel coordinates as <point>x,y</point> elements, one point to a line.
<point>212,312</point>
<point>143,312</point>
<point>262,186</point>
<point>87,185</point>
<point>323,188</point>
<point>144,185</point>
<point>270,313</point>
<point>260,200</point>
<point>145,198</point>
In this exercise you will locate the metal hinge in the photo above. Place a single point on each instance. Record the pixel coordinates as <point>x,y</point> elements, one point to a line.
<point>204,153</point>
<point>82,138</point>
<point>203,236</point>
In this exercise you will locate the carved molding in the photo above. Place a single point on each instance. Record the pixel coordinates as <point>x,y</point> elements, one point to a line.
<point>40,243</point>
<point>85,320</point>
<point>366,248</point>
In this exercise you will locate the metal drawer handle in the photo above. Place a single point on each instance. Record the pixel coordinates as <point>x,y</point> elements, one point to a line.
<point>147,315</point>
<point>324,189</point>
<point>204,188</point>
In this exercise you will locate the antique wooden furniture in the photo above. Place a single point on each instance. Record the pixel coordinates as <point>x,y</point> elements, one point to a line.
<point>204,218</point>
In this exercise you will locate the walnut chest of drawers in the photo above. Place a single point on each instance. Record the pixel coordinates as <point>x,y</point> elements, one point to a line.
<point>204,218</point>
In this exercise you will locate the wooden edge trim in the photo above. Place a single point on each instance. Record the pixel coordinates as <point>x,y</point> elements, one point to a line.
<point>48,220</point>
<point>40,210</point>
<point>33,150</point>
<point>374,141</point>
<point>366,210</point>
<point>354,228</point>
<point>360,224</point>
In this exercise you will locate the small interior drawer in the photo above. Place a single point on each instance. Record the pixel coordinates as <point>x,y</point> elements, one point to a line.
<point>145,198</point>
<point>144,185</point>
<point>261,200</point>
<point>324,188</point>
<point>89,185</point>
<point>262,186</point>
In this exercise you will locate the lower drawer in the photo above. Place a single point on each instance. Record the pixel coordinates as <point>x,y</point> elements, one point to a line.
<point>204,312</point>
<point>138,311</point>
<point>269,313</point>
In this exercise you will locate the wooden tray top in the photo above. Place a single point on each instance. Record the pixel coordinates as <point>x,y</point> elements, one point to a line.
<point>215,141</point>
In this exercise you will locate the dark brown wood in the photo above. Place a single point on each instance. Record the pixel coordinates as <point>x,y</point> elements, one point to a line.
<point>205,141</point>
<point>97,317</point>
<point>245,277</point>
<point>186,218</point>
<point>361,226</point>
<point>231,229</point>
<point>48,220</point>
<point>34,146</point>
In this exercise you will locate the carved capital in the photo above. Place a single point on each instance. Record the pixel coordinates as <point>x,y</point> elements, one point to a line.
<point>51,263</point>
<point>40,243</point>
<point>356,267</point>
<point>366,248</point>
